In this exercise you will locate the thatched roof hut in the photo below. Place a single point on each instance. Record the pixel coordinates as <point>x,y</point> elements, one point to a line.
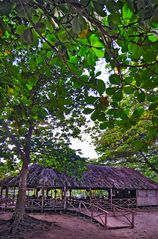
<point>95,177</point>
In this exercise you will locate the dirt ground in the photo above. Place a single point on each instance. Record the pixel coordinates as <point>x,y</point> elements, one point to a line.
<point>66,226</point>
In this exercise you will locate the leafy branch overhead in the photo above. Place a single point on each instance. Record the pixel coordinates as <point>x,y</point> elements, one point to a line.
<point>73,36</point>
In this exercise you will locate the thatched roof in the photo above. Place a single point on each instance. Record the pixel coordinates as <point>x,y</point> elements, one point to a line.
<point>96,176</point>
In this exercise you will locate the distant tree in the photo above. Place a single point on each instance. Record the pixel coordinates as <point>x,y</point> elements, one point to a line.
<point>131,148</point>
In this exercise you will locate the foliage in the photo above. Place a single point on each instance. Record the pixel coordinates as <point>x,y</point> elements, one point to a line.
<point>49,150</point>
<point>76,34</point>
<point>129,148</point>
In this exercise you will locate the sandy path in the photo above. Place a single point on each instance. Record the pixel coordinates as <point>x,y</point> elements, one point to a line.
<point>72,227</point>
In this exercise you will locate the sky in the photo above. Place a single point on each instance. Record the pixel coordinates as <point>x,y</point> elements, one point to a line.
<point>85,146</point>
<point>87,150</point>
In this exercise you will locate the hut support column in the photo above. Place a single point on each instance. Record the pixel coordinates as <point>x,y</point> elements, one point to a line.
<point>42,203</point>
<point>6,196</point>
<point>1,192</point>
<point>55,194</point>
<point>111,197</point>
<point>64,198</point>
<point>14,193</point>
<point>70,191</point>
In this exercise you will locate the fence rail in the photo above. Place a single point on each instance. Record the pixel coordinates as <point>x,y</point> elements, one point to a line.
<point>95,210</point>
<point>89,209</point>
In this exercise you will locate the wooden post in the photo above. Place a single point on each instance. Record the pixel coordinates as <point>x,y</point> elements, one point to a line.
<point>91,212</point>
<point>64,197</point>
<point>106,218</point>
<point>55,193</point>
<point>37,190</point>
<point>1,192</point>
<point>6,197</point>
<point>70,191</point>
<point>132,219</point>
<point>90,195</point>
<point>111,198</point>
<point>13,192</point>
<point>47,193</point>
<point>42,204</point>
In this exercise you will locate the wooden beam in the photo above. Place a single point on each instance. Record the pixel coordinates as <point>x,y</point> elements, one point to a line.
<point>64,191</point>
<point>111,198</point>
<point>42,203</point>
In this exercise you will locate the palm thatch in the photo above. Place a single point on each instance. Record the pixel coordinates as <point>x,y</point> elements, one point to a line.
<point>95,177</point>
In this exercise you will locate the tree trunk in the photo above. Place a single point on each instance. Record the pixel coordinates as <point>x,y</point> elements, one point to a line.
<point>19,213</point>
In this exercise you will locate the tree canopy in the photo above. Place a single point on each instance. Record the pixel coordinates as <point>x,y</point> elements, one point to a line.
<point>129,149</point>
<point>75,34</point>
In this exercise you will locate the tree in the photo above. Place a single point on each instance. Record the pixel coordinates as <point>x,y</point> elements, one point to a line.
<point>129,148</point>
<point>31,101</point>
<point>70,37</point>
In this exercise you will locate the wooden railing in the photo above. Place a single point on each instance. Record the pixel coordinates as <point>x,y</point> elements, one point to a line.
<point>120,202</point>
<point>95,210</point>
<point>117,211</point>
<point>7,202</point>
<point>127,214</point>
<point>39,203</point>
<point>89,209</point>
<point>125,202</point>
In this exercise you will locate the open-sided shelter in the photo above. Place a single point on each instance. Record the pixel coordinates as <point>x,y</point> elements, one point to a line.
<point>124,186</point>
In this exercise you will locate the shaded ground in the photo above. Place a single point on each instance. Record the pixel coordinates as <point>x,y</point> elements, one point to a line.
<point>71,227</point>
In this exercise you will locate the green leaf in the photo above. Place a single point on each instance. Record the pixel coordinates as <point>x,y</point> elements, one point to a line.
<point>78,24</point>
<point>152,98</point>
<point>114,19</point>
<point>95,42</point>
<point>51,38</point>
<point>40,27</point>
<point>152,37</point>
<point>88,111</point>
<point>141,97</point>
<point>104,125</point>
<point>114,79</point>
<point>111,90</point>
<point>73,59</point>
<point>27,36</point>
<point>128,80</point>
<point>83,51</point>
<point>153,106</point>
<point>91,57</point>
<point>101,86</point>
<point>136,50</point>
<point>155,120</point>
<point>29,86</point>
<point>101,116</point>
<point>128,90</point>
<point>154,24</point>
<point>63,36</point>
<point>94,115</point>
<point>137,113</point>
<point>99,8</point>
<point>126,12</point>
<point>138,145</point>
<point>24,11</point>
<point>20,29</point>
<point>5,8</point>
<point>99,52</point>
<point>118,95</point>
<point>91,99</point>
